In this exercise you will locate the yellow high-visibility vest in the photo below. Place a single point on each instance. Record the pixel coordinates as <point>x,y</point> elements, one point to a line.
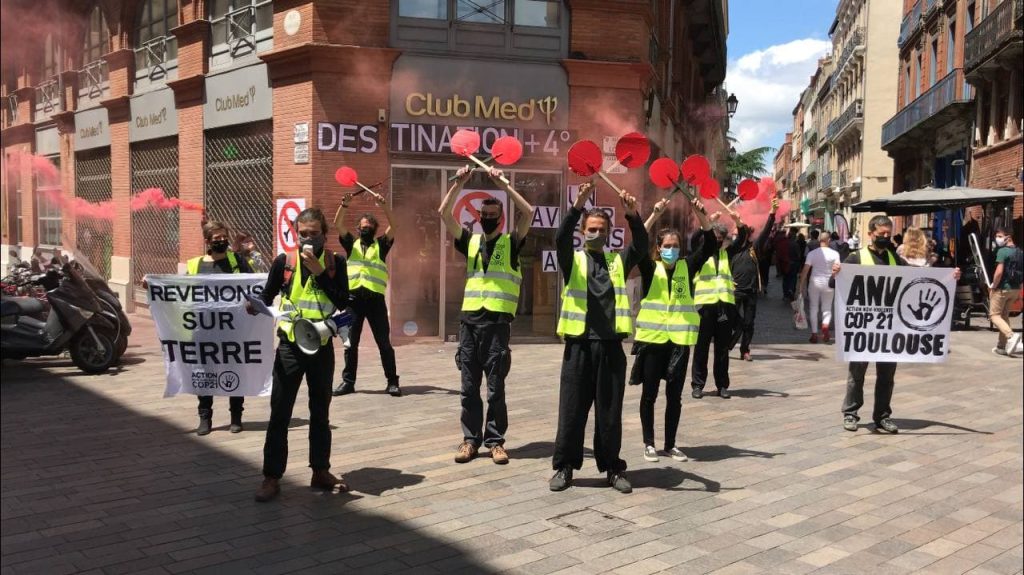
<point>713,286</point>
<point>572,321</point>
<point>305,300</point>
<point>668,314</point>
<point>867,260</point>
<point>366,268</point>
<point>497,287</point>
<point>192,266</point>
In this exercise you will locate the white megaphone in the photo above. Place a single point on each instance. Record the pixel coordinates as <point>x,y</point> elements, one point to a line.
<point>309,334</point>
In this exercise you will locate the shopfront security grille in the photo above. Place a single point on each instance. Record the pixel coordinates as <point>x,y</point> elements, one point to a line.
<point>94,237</point>
<point>155,232</point>
<point>240,180</point>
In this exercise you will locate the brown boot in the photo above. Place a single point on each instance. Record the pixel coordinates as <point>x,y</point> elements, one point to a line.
<point>499,455</point>
<point>323,479</point>
<point>270,489</point>
<point>467,451</point>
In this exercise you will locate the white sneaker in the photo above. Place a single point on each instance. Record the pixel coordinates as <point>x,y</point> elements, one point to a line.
<point>1013,344</point>
<point>999,351</point>
<point>678,455</point>
<point>650,453</point>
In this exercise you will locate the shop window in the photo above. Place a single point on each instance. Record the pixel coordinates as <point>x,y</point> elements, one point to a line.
<point>433,9</point>
<point>154,164</point>
<point>47,96</point>
<point>156,49</point>
<point>94,236</point>
<point>240,29</point>
<point>92,78</point>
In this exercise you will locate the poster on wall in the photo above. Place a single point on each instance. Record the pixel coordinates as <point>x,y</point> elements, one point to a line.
<point>467,208</point>
<point>893,313</point>
<point>286,237</point>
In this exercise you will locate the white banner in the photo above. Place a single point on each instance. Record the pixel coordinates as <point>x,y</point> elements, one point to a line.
<point>211,346</point>
<point>893,313</point>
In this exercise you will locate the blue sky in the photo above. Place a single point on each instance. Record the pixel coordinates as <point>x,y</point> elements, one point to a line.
<point>773,48</point>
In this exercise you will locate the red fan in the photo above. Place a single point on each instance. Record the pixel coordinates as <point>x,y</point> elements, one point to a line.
<point>585,160</point>
<point>633,150</point>
<point>507,150</point>
<point>747,190</point>
<point>664,173</point>
<point>347,177</point>
<point>709,188</point>
<point>696,169</point>
<point>466,143</point>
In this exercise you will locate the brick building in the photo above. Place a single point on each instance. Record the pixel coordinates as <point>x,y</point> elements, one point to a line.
<point>241,106</point>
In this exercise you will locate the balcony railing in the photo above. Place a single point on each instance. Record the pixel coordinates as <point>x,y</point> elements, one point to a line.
<point>949,90</point>
<point>12,109</point>
<point>240,29</point>
<point>826,87</point>
<point>911,22</point>
<point>826,180</point>
<point>856,41</point>
<point>92,77</point>
<point>1003,23</point>
<point>854,111</point>
<point>48,96</point>
<point>844,179</point>
<point>153,56</point>
<point>810,137</point>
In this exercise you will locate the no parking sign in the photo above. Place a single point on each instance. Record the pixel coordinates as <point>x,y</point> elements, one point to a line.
<point>287,239</point>
<point>467,208</point>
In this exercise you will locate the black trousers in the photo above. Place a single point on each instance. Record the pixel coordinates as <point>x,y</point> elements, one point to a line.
<point>483,350</point>
<point>235,405</point>
<point>375,311</point>
<point>746,312</point>
<point>593,373</point>
<point>290,365</point>
<point>764,265</point>
<point>885,380</point>
<point>663,361</point>
<point>715,326</point>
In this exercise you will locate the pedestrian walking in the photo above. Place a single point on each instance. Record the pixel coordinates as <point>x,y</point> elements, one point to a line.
<point>1005,292</point>
<point>814,282</point>
<point>748,280</point>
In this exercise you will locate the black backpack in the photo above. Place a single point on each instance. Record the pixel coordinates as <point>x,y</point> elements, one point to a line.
<point>1013,268</point>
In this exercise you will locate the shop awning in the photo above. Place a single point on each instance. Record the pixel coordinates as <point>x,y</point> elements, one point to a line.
<point>926,200</point>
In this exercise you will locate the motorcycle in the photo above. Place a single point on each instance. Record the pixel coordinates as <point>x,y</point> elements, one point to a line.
<point>78,322</point>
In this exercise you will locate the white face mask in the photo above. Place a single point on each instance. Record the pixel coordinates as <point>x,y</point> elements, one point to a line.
<point>1000,241</point>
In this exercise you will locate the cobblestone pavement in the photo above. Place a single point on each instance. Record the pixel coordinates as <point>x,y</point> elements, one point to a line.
<point>103,475</point>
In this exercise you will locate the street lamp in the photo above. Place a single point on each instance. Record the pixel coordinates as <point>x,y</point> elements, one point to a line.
<point>732,152</point>
<point>731,104</point>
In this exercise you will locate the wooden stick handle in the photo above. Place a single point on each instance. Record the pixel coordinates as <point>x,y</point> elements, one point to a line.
<point>608,181</point>
<point>365,189</point>
<point>503,179</point>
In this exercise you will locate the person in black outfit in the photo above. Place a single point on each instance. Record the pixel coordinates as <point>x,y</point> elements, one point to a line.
<point>746,275</point>
<point>882,253</point>
<point>657,361</point>
<point>364,302</point>
<point>717,319</point>
<point>330,279</point>
<point>217,261</point>
<point>593,363</point>
<point>485,325</point>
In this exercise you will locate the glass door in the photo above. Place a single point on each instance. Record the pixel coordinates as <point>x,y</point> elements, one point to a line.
<point>415,298</point>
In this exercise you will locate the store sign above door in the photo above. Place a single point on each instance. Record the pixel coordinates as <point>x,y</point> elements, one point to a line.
<point>436,139</point>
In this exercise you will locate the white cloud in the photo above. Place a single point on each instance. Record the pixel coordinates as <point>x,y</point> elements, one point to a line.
<point>768,83</point>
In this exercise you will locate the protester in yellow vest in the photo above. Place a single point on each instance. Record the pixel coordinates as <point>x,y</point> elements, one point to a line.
<point>667,326</point>
<point>313,284</point>
<point>594,319</point>
<point>489,303</point>
<point>218,260</point>
<point>879,250</point>
<point>367,284</point>
<point>714,294</point>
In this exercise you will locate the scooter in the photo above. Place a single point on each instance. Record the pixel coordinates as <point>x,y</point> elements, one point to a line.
<point>76,323</point>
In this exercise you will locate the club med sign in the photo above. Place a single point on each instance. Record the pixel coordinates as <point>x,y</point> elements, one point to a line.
<point>481,108</point>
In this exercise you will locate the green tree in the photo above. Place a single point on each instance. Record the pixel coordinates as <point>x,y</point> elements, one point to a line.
<point>749,164</point>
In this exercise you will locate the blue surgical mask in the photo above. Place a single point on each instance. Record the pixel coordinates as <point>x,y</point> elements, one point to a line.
<point>669,255</point>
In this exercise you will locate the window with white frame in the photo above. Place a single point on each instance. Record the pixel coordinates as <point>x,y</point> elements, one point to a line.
<point>156,49</point>
<point>239,28</point>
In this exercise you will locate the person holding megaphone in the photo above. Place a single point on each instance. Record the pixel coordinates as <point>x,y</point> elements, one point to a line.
<point>313,285</point>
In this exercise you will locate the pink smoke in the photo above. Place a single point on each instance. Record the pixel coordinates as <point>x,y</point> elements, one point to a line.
<point>755,213</point>
<point>81,208</point>
<point>154,198</point>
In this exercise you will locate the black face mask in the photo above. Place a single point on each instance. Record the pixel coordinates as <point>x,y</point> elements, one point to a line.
<point>219,246</point>
<point>882,243</point>
<point>367,233</point>
<point>317,243</point>
<point>488,225</point>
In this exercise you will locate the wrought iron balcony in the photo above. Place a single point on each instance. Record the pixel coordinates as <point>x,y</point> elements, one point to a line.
<point>936,103</point>
<point>240,29</point>
<point>12,109</point>
<point>810,137</point>
<point>92,77</point>
<point>1000,28</point>
<point>844,179</point>
<point>856,41</point>
<point>826,180</point>
<point>853,112</point>
<point>911,22</point>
